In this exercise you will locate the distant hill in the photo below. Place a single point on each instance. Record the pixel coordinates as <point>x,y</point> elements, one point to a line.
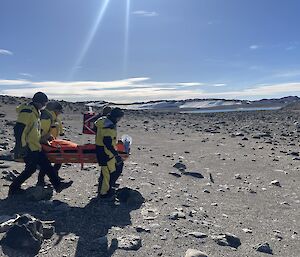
<point>211,104</point>
<point>288,103</point>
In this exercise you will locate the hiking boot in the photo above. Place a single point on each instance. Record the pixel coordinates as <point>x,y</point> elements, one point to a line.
<point>61,179</point>
<point>62,186</point>
<point>110,196</point>
<point>115,186</point>
<point>41,183</point>
<point>15,191</point>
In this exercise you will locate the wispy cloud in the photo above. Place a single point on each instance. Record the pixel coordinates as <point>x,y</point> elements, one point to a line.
<point>191,84</point>
<point>219,85</point>
<point>26,74</point>
<point>14,82</point>
<point>288,74</point>
<point>213,22</point>
<point>289,48</point>
<point>138,89</point>
<point>254,47</point>
<point>5,52</point>
<point>145,13</point>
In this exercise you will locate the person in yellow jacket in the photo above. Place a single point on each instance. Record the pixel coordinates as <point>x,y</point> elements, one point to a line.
<point>110,162</point>
<point>51,128</point>
<point>27,135</point>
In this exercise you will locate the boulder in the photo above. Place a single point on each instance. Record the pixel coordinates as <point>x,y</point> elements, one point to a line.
<point>129,242</point>
<point>25,235</point>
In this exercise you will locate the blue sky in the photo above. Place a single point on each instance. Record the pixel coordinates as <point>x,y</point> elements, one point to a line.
<point>137,50</point>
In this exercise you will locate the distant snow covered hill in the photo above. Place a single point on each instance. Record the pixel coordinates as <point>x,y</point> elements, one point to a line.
<point>172,105</point>
<point>192,104</point>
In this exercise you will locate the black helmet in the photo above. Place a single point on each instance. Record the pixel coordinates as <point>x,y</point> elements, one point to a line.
<point>116,113</point>
<point>40,97</point>
<point>54,106</point>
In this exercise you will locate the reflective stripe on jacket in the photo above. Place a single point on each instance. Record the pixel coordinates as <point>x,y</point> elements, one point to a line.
<point>105,129</point>
<point>29,116</point>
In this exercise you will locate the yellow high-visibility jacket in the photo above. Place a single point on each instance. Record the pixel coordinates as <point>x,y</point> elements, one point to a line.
<point>51,124</point>
<point>106,138</point>
<point>29,120</point>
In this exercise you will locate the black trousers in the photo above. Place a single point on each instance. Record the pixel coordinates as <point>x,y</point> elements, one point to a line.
<point>42,173</point>
<point>31,160</point>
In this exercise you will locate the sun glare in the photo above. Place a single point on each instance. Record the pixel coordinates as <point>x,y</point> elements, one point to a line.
<point>90,37</point>
<point>126,43</point>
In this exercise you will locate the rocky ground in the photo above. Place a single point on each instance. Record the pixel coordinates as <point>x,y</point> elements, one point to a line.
<point>223,184</point>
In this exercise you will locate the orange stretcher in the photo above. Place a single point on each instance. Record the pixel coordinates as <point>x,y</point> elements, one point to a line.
<point>63,151</point>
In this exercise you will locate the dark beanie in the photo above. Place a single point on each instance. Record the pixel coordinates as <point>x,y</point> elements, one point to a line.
<point>116,113</point>
<point>40,97</point>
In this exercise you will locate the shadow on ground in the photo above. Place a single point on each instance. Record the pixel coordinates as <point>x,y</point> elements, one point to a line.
<point>89,223</point>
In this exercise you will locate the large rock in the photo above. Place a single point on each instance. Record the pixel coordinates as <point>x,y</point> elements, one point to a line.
<point>194,253</point>
<point>129,242</point>
<point>131,197</point>
<point>25,235</point>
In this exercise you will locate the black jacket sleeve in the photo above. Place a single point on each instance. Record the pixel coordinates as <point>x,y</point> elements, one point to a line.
<point>108,143</point>
<point>18,132</point>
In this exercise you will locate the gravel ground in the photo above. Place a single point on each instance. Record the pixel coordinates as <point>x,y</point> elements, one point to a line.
<point>238,156</point>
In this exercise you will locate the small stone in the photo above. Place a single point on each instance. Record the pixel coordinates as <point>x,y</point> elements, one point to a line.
<point>177,215</point>
<point>198,234</point>
<point>175,174</point>
<point>227,239</point>
<point>275,183</point>
<point>142,229</point>
<point>237,176</point>
<point>194,253</point>
<point>156,247</point>
<point>239,134</point>
<point>247,230</point>
<point>264,248</point>
<point>48,231</point>
<point>180,166</point>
